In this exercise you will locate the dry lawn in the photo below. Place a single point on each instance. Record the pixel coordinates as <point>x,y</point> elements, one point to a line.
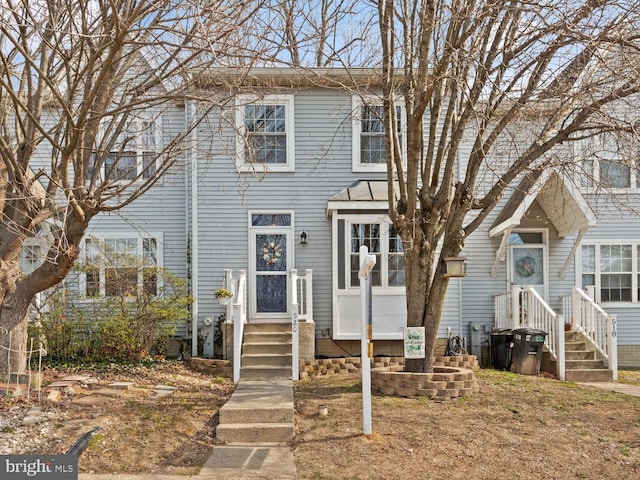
<point>526,427</point>
<point>516,427</point>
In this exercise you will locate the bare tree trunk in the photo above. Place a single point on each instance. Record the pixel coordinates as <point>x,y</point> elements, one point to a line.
<point>14,341</point>
<point>426,288</point>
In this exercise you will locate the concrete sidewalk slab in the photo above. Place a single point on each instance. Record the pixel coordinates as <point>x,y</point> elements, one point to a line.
<point>627,389</point>
<point>237,462</point>
<point>251,461</point>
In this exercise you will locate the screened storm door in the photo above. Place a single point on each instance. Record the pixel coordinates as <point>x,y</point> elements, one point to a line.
<point>528,260</point>
<point>270,248</point>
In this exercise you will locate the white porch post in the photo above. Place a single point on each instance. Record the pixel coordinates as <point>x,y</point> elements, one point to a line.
<point>589,321</point>
<point>576,310</point>
<point>515,307</point>
<point>308,285</point>
<point>612,339</point>
<point>560,354</point>
<point>295,307</point>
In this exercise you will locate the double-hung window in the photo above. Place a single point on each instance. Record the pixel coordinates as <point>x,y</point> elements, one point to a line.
<point>609,163</point>
<point>121,266</point>
<point>614,270</point>
<point>382,241</point>
<point>134,152</point>
<point>369,143</point>
<point>265,139</point>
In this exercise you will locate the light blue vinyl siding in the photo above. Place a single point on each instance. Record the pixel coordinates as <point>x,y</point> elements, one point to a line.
<point>323,168</point>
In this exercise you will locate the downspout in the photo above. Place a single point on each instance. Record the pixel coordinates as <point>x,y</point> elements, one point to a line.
<point>460,304</point>
<point>193,164</point>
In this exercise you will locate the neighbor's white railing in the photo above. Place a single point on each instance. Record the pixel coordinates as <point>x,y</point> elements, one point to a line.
<point>600,327</point>
<point>301,309</point>
<point>237,313</point>
<point>536,313</point>
<point>504,306</point>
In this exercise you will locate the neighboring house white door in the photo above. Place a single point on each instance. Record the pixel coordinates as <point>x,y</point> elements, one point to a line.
<point>528,260</point>
<point>271,254</point>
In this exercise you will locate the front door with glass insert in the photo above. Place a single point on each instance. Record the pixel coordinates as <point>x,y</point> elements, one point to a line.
<point>271,256</point>
<point>528,252</point>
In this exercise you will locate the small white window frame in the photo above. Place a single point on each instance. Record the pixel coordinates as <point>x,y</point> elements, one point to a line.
<point>288,102</point>
<point>356,126</point>
<point>385,224</point>
<point>137,146</point>
<point>587,150</point>
<point>635,272</point>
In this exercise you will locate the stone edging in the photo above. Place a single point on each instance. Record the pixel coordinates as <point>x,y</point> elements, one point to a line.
<point>215,367</point>
<point>444,383</point>
<point>331,366</point>
<point>453,376</point>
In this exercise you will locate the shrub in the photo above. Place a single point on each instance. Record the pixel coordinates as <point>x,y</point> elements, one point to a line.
<point>128,326</point>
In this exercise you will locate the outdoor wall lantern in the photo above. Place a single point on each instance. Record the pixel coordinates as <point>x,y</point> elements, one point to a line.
<point>455,267</point>
<point>303,238</point>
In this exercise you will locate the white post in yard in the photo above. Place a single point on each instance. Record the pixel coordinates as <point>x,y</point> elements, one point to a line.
<point>367,262</point>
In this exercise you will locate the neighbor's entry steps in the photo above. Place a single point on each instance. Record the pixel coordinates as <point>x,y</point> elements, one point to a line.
<point>582,360</point>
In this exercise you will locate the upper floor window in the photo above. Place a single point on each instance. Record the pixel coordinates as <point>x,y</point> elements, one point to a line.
<point>614,270</point>
<point>121,266</point>
<point>369,143</point>
<point>609,162</point>
<point>134,152</point>
<point>265,133</point>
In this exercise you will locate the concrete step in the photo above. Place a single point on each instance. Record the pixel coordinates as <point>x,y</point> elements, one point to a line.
<point>267,360</point>
<point>268,327</point>
<point>259,402</point>
<point>584,364</point>
<point>588,375</point>
<point>265,373</point>
<point>255,432</point>
<point>240,414</point>
<point>266,337</point>
<point>580,355</point>
<point>262,348</point>
<point>573,346</point>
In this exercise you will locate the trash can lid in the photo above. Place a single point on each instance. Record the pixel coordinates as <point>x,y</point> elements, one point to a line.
<point>504,331</point>
<point>529,331</point>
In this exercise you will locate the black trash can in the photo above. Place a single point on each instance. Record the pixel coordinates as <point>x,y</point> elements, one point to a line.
<point>527,350</point>
<point>501,343</point>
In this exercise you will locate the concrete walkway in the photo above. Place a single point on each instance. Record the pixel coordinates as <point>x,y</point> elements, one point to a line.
<point>230,462</point>
<point>627,389</point>
<point>236,460</point>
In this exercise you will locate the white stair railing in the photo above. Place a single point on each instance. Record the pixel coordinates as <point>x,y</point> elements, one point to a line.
<point>505,304</point>
<point>237,313</point>
<point>537,314</point>
<point>502,310</point>
<point>599,326</point>
<point>301,309</point>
